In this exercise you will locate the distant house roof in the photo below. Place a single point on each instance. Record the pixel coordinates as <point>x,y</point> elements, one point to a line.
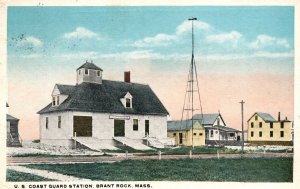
<point>208,119</point>
<point>223,128</point>
<point>265,116</point>
<point>105,97</point>
<point>89,65</point>
<point>179,125</point>
<point>11,118</point>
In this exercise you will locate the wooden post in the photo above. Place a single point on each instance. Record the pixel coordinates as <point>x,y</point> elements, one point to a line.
<point>159,155</point>
<point>147,139</point>
<point>190,156</point>
<point>126,154</point>
<point>218,154</point>
<point>75,139</point>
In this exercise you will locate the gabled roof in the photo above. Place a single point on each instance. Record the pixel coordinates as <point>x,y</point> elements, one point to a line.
<point>89,65</point>
<point>265,116</point>
<point>105,97</point>
<point>208,119</point>
<point>11,118</point>
<point>223,128</point>
<point>65,89</point>
<point>179,125</point>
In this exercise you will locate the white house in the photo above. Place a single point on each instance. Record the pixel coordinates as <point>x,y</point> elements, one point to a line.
<point>102,113</point>
<point>216,129</point>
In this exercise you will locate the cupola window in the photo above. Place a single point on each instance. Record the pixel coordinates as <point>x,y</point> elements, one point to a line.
<point>98,73</point>
<point>86,72</point>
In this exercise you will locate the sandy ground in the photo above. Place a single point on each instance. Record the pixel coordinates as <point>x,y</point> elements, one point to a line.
<point>30,148</point>
<point>46,174</point>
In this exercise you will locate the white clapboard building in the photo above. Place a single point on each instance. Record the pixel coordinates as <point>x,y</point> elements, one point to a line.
<point>103,114</point>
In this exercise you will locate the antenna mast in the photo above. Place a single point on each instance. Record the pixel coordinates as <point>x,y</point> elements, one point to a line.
<point>188,105</point>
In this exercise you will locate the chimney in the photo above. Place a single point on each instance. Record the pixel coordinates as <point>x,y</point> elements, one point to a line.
<point>127,77</point>
<point>278,116</point>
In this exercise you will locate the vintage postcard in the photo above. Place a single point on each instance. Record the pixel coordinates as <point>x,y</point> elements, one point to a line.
<point>173,95</point>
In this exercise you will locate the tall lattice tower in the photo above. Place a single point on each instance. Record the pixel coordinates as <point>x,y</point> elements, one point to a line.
<point>190,105</point>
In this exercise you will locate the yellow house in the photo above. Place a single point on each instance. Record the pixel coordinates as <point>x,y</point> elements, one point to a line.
<point>185,134</point>
<point>264,129</point>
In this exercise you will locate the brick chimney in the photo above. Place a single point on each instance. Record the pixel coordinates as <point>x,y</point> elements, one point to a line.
<point>278,116</point>
<point>127,77</point>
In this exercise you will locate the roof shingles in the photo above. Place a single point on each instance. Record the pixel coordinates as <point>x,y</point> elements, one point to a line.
<point>105,97</point>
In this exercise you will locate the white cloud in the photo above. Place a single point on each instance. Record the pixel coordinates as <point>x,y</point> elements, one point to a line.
<point>34,55</point>
<point>266,41</point>
<point>187,26</point>
<point>30,40</point>
<point>233,37</point>
<point>265,54</point>
<point>81,33</point>
<point>158,40</point>
<point>165,39</point>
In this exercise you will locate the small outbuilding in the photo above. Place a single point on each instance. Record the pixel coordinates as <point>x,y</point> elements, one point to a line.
<point>184,134</point>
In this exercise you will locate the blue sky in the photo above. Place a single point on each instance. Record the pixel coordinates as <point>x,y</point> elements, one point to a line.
<point>241,53</point>
<point>121,29</point>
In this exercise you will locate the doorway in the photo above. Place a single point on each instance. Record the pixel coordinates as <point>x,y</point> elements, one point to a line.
<point>180,138</point>
<point>82,125</point>
<point>119,127</point>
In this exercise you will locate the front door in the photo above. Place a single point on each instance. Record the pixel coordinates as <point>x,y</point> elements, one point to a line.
<point>119,127</point>
<point>180,138</point>
<point>82,125</point>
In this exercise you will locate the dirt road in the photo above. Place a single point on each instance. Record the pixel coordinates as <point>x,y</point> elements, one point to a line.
<point>101,159</point>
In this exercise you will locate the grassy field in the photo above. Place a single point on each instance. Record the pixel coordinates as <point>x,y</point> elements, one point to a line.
<point>12,176</point>
<point>183,150</point>
<point>246,170</point>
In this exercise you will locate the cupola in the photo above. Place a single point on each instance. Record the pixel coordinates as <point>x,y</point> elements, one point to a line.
<point>89,73</point>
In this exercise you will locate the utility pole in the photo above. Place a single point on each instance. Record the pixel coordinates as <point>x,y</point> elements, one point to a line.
<point>242,106</point>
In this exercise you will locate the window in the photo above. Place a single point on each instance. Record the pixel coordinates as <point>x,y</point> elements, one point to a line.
<point>216,132</point>
<point>57,98</point>
<point>231,134</point>
<point>135,125</point>
<point>86,71</point>
<point>281,125</point>
<point>260,133</point>
<point>128,103</point>
<point>211,133</point>
<point>79,72</point>
<point>200,134</point>
<point>59,122</point>
<point>53,101</point>
<point>195,134</point>
<point>98,73</point>
<point>147,127</point>
<point>218,121</point>
<point>174,134</point>
<point>271,125</point>
<point>255,118</point>
<point>260,124</point>
<point>252,124</point>
<point>47,122</point>
<point>252,134</point>
<point>281,133</point>
<point>271,133</point>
